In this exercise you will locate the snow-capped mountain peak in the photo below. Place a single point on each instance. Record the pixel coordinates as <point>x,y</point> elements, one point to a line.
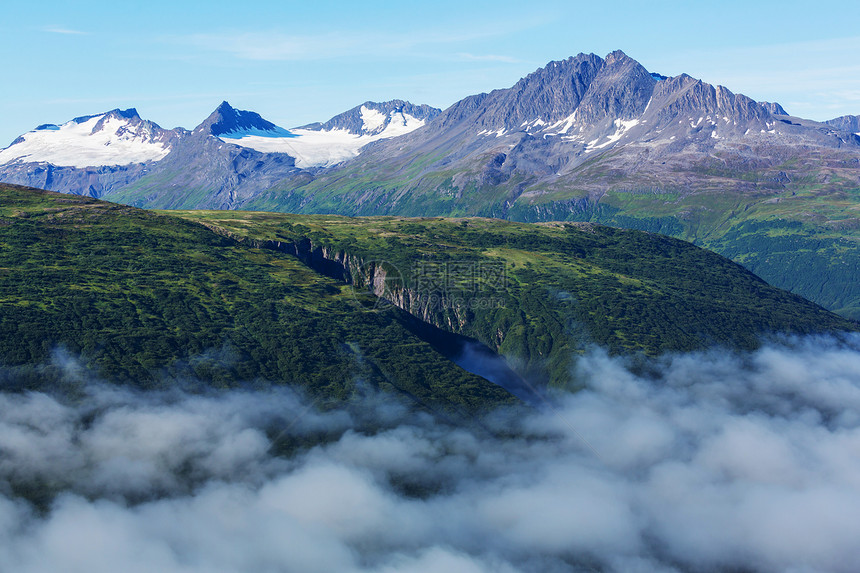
<point>117,137</point>
<point>373,118</point>
<point>227,121</point>
<point>321,144</point>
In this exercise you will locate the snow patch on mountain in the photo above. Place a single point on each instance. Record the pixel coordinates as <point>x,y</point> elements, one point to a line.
<point>621,127</point>
<point>565,124</point>
<point>99,140</point>
<point>324,148</point>
<point>372,119</point>
<point>497,133</point>
<point>277,132</point>
<point>309,148</point>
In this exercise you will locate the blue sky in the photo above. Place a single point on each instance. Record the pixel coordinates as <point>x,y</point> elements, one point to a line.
<point>299,62</point>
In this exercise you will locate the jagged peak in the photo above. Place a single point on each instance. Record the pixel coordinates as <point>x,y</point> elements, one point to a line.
<point>845,122</point>
<point>225,107</point>
<point>355,120</point>
<point>562,66</point>
<point>227,119</point>
<point>774,108</point>
<point>130,113</point>
<point>616,56</point>
<point>128,116</point>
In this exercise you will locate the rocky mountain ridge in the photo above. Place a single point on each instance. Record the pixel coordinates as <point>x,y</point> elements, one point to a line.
<point>218,162</point>
<point>371,118</point>
<point>849,123</point>
<point>644,128</point>
<point>227,120</point>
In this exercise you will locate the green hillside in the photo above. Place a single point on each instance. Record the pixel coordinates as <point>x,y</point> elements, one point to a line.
<point>540,293</point>
<point>796,223</point>
<point>234,297</point>
<point>151,300</point>
<point>804,239</point>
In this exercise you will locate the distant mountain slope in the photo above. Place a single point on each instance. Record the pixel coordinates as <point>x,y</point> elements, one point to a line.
<point>846,123</point>
<point>372,118</point>
<point>576,129</point>
<point>89,155</point>
<point>202,168</point>
<point>151,300</point>
<point>227,159</point>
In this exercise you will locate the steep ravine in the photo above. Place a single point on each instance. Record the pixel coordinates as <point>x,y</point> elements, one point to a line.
<point>443,329</point>
<point>378,277</point>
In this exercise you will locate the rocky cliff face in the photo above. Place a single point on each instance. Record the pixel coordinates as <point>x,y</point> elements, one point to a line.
<point>846,123</point>
<point>621,90</point>
<point>381,280</point>
<point>377,277</point>
<point>228,120</point>
<point>774,108</point>
<point>548,94</point>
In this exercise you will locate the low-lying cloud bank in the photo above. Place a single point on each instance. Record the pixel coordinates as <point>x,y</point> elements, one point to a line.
<point>709,461</point>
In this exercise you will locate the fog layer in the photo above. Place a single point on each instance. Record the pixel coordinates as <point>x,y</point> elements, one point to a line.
<point>705,461</point>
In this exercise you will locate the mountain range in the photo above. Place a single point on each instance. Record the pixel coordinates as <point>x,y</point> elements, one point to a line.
<point>225,160</point>
<point>582,139</point>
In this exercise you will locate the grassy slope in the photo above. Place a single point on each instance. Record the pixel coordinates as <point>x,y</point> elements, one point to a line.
<point>565,286</point>
<point>806,241</point>
<point>799,231</point>
<point>148,298</point>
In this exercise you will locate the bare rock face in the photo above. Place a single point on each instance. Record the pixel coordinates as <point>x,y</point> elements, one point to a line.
<point>226,119</point>
<point>620,90</point>
<point>548,94</point>
<point>92,182</point>
<point>849,123</point>
<point>774,108</point>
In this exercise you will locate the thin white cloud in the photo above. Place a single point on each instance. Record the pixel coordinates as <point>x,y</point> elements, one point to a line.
<point>273,47</point>
<point>283,46</point>
<point>66,31</point>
